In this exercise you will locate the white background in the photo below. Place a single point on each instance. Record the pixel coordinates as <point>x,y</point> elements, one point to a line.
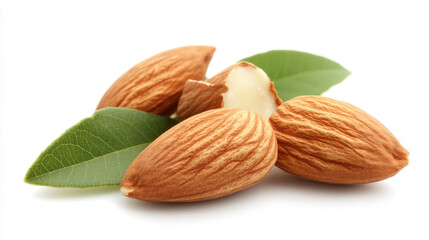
<point>58,58</point>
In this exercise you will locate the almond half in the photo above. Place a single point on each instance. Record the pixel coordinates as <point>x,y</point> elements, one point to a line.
<point>210,155</point>
<point>155,84</point>
<point>331,141</point>
<point>242,85</point>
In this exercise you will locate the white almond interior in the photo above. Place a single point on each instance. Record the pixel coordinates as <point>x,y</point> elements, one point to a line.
<point>249,88</point>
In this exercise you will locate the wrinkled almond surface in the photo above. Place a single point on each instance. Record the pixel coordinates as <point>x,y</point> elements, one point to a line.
<point>331,141</point>
<point>210,155</point>
<point>155,84</point>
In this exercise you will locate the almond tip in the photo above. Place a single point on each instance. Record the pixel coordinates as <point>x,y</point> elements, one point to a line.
<point>125,191</point>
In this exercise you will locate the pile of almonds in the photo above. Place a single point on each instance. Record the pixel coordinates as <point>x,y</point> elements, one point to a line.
<point>233,129</point>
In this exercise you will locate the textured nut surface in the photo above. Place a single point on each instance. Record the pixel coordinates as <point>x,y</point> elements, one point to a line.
<point>242,85</point>
<point>331,141</point>
<point>210,155</point>
<point>155,84</point>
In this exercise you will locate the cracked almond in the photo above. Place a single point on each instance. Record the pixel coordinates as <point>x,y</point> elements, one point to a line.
<point>242,85</point>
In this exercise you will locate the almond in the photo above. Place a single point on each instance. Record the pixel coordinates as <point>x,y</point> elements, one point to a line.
<point>210,155</point>
<point>331,141</point>
<point>242,85</point>
<point>155,84</point>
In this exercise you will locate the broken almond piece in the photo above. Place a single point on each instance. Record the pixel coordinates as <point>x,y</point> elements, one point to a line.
<point>242,85</point>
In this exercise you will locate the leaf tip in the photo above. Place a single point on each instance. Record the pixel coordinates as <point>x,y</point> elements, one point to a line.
<point>27,178</point>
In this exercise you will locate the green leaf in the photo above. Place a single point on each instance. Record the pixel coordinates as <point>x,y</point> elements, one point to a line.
<point>297,73</point>
<point>98,150</point>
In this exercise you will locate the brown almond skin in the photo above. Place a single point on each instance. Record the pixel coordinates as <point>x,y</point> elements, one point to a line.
<point>210,155</point>
<point>331,141</point>
<point>200,96</point>
<point>155,84</point>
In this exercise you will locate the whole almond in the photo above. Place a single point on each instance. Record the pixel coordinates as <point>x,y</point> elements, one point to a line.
<point>210,155</point>
<point>242,85</point>
<point>155,84</point>
<point>331,141</point>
